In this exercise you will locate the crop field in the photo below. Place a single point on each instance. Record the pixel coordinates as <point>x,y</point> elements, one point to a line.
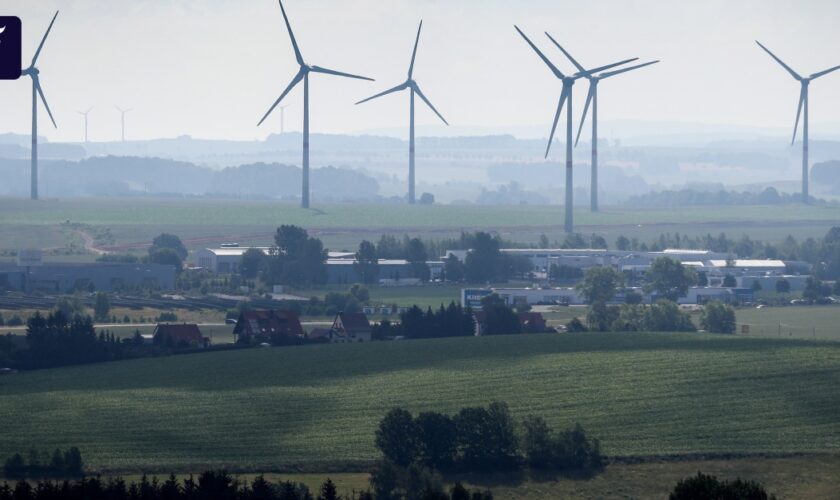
<point>128,224</point>
<point>316,407</point>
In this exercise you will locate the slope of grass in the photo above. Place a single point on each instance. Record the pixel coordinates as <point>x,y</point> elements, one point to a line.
<point>212,212</point>
<point>317,407</point>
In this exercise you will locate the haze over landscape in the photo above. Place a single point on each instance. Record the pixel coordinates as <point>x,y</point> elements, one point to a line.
<point>554,250</point>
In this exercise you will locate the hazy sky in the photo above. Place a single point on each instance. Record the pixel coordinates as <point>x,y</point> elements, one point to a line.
<point>211,68</point>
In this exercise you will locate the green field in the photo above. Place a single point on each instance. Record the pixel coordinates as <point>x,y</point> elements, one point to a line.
<point>820,322</point>
<point>129,223</point>
<point>315,408</point>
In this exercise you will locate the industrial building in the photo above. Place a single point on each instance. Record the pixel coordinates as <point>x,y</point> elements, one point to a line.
<point>340,266</point>
<point>568,296</point>
<point>71,277</point>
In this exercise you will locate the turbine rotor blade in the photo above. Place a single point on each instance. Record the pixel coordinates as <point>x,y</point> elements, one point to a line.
<point>44,100</point>
<point>556,119</point>
<point>318,69</point>
<point>590,72</point>
<point>429,104</point>
<point>551,65</point>
<point>568,56</point>
<point>798,113</point>
<point>298,77</point>
<point>298,55</point>
<point>792,72</point>
<point>589,98</point>
<point>398,88</point>
<point>414,54</point>
<point>41,45</point>
<point>823,73</point>
<point>625,70</point>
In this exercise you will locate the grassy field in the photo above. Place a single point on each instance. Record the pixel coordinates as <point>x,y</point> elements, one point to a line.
<point>128,223</point>
<point>316,407</point>
<point>820,322</point>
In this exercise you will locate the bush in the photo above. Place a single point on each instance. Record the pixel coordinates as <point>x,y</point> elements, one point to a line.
<point>568,450</point>
<point>706,487</point>
<point>718,317</point>
<point>576,326</point>
<point>15,320</point>
<point>167,317</point>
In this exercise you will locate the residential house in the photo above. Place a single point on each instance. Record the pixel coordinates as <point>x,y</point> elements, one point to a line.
<point>182,335</point>
<point>262,325</point>
<point>350,327</point>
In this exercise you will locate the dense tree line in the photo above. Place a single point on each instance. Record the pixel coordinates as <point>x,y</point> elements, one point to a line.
<point>661,316</point>
<point>694,197</point>
<point>56,340</point>
<point>707,487</point>
<point>476,439</point>
<point>67,463</point>
<point>220,485</point>
<point>453,320</point>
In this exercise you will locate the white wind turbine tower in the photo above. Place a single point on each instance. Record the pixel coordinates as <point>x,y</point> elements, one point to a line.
<point>85,114</point>
<point>283,119</point>
<point>303,75</point>
<point>123,112</point>
<point>414,89</point>
<point>566,95</point>
<point>37,92</point>
<point>592,99</point>
<point>803,103</point>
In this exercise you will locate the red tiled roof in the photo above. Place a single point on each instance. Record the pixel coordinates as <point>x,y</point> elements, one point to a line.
<point>267,323</point>
<point>354,321</point>
<point>184,332</point>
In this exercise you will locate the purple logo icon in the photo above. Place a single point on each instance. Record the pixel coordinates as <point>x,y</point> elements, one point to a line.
<point>10,55</point>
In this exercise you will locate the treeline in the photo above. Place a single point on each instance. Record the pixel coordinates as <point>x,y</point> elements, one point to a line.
<point>668,280</point>
<point>483,439</point>
<point>216,485</point>
<point>697,197</point>
<point>415,450</point>
<point>703,486</point>
<point>55,340</point>
<point>453,320</point>
<point>66,463</point>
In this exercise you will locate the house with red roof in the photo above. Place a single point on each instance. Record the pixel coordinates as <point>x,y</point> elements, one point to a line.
<point>350,327</point>
<point>182,335</point>
<point>262,325</point>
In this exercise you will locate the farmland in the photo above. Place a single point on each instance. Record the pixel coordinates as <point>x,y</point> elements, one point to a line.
<point>128,224</point>
<point>315,408</point>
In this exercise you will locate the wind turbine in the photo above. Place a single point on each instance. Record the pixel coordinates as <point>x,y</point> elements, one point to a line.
<point>592,99</point>
<point>566,95</point>
<point>283,119</point>
<point>303,75</point>
<point>803,103</point>
<point>123,112</point>
<point>85,114</point>
<point>37,91</point>
<point>412,86</point>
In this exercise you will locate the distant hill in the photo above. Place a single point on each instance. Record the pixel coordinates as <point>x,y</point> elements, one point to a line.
<point>126,176</point>
<point>826,176</point>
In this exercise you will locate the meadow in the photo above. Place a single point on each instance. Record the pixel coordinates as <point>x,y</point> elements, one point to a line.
<point>820,322</point>
<point>129,224</point>
<point>315,408</point>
